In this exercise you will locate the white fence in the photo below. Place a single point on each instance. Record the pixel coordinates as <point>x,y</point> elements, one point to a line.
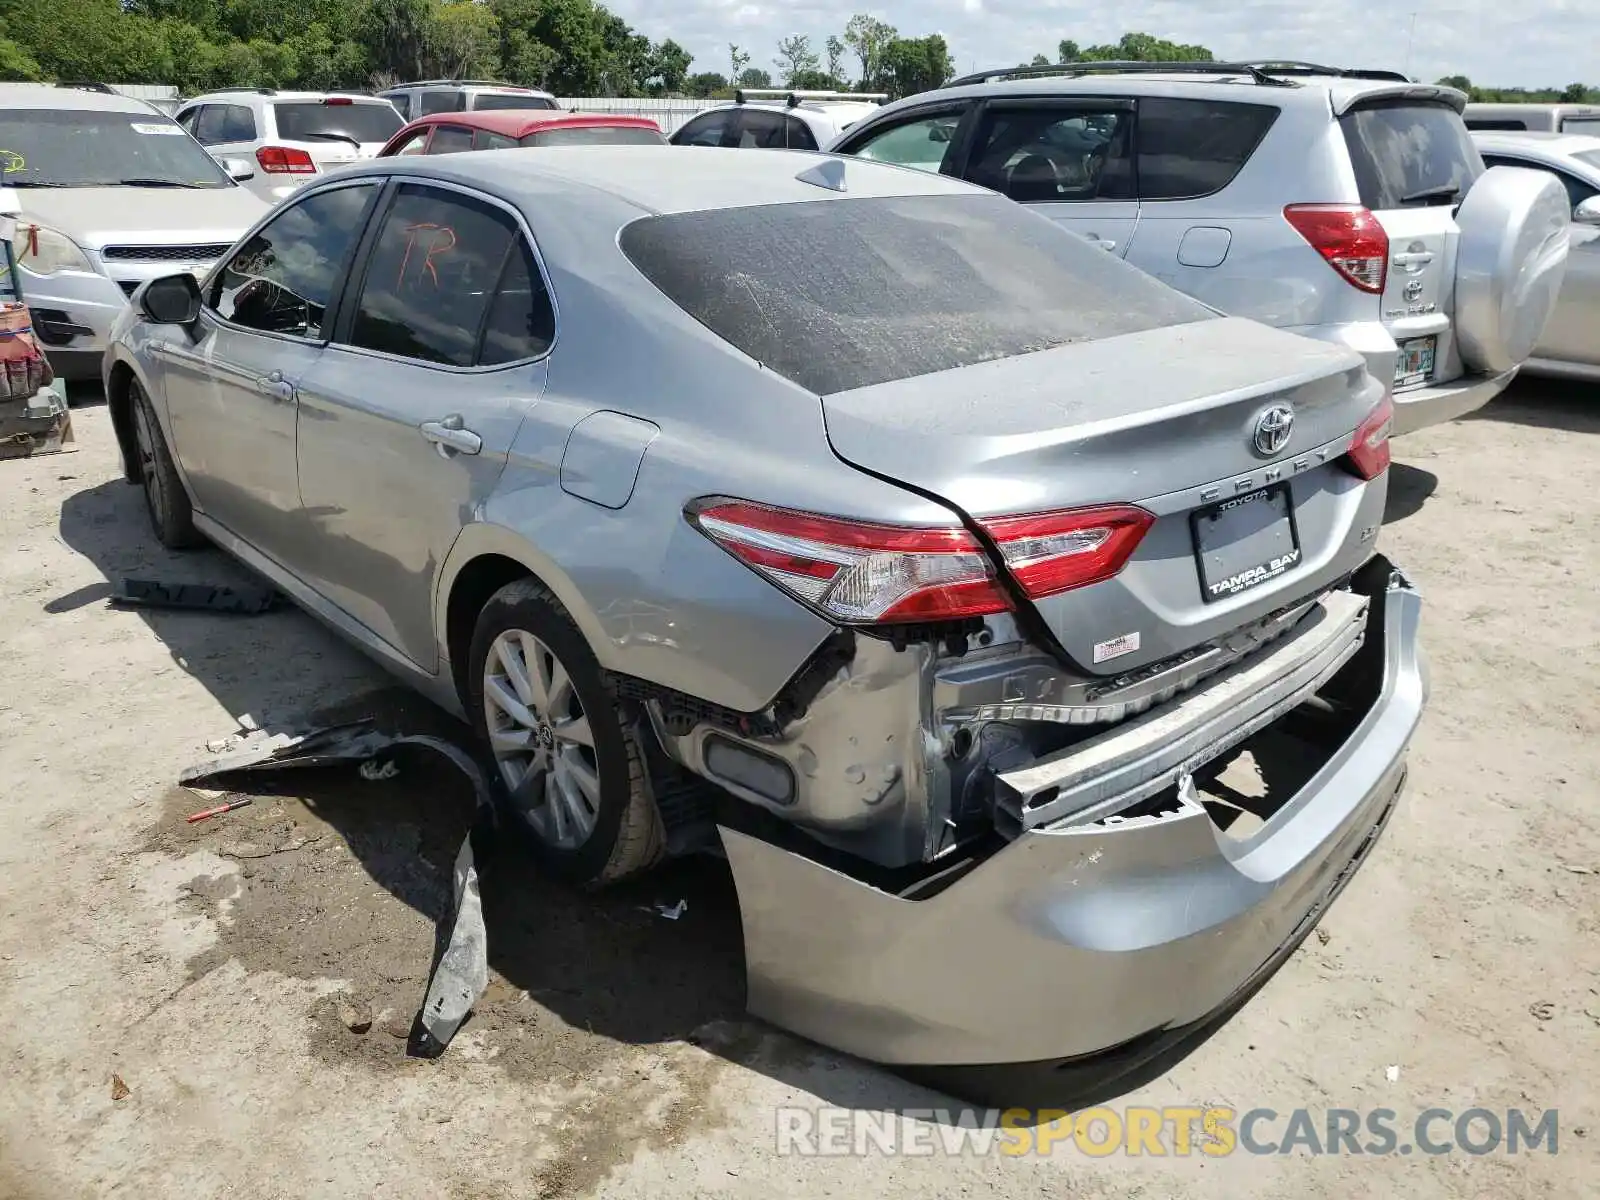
<point>669,114</point>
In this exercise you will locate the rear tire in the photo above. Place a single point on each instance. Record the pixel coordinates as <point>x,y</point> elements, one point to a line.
<point>171,514</point>
<point>570,778</point>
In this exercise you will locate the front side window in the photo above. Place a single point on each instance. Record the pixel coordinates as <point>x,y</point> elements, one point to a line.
<point>1049,154</point>
<point>450,139</point>
<point>81,148</point>
<point>283,279</point>
<point>924,143</point>
<point>434,268</point>
<point>1410,154</point>
<point>415,143</point>
<point>1193,148</point>
<point>705,130</point>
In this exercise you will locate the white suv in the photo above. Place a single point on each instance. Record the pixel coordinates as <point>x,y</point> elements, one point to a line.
<point>777,119</point>
<point>1346,205</point>
<point>290,136</point>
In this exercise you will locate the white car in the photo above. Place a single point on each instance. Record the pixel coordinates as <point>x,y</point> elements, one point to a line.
<point>777,119</point>
<point>430,96</point>
<point>290,136</point>
<point>1570,343</point>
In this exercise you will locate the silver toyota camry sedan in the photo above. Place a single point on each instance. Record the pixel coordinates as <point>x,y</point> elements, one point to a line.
<point>1010,620</point>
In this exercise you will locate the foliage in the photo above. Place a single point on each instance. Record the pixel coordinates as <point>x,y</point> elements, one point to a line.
<point>911,65</point>
<point>1573,93</point>
<point>796,58</point>
<point>1133,47</point>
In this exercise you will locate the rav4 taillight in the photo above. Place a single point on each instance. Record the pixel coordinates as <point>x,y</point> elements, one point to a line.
<point>1349,237</point>
<point>285,160</point>
<point>857,572</point>
<point>1369,449</point>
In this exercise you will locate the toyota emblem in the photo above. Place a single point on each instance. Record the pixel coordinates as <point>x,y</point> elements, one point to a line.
<point>1272,429</point>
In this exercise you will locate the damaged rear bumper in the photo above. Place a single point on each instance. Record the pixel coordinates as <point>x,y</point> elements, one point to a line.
<point>1078,938</point>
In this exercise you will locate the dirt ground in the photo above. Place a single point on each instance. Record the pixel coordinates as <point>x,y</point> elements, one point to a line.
<point>216,969</point>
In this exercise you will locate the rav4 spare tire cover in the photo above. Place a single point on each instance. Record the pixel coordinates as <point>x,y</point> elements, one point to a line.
<point>1510,263</point>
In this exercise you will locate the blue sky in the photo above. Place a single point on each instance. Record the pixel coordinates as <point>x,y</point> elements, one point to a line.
<point>1531,43</point>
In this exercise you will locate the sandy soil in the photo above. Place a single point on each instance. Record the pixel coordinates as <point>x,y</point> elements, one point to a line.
<point>216,969</point>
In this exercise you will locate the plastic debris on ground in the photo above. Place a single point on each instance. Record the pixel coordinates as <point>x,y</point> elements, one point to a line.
<point>671,912</point>
<point>374,771</point>
<point>147,593</point>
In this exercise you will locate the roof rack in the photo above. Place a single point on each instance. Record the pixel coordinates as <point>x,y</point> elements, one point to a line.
<point>793,99</point>
<point>255,91</point>
<point>1074,69</point>
<point>499,83</point>
<point>1291,66</point>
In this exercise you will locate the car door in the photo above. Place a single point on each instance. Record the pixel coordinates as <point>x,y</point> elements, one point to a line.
<point>227,130</point>
<point>715,128</point>
<point>925,139</point>
<point>408,417</point>
<point>1570,334</point>
<point>1071,160</point>
<point>230,393</point>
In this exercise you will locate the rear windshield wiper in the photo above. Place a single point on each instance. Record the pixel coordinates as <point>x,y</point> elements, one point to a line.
<point>7,181</point>
<point>177,183</point>
<point>335,137</point>
<point>1444,191</point>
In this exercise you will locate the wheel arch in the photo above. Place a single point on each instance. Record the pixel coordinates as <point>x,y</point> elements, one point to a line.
<point>120,377</point>
<point>483,560</point>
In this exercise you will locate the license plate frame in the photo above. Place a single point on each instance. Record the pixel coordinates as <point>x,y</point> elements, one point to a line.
<point>1222,575</point>
<point>1415,360</point>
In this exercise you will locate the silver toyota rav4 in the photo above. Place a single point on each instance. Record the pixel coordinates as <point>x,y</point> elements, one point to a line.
<point>1345,205</point>
<point>1015,618</point>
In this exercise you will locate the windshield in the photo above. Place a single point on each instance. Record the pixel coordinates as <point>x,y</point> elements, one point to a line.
<point>1409,155</point>
<point>597,135</point>
<point>80,148</point>
<point>500,101</point>
<point>1581,125</point>
<point>842,294</point>
<point>317,121</point>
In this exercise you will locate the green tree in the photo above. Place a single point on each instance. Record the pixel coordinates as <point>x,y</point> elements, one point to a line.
<point>89,39</point>
<point>815,81</point>
<point>1134,47</point>
<point>395,33</point>
<point>669,66</point>
<point>868,37</point>
<point>836,48</point>
<point>1460,82</point>
<point>16,64</point>
<point>738,60</point>
<point>912,65</point>
<point>706,84</point>
<point>462,41</point>
<point>754,77</point>
<point>1040,60</point>
<point>795,57</point>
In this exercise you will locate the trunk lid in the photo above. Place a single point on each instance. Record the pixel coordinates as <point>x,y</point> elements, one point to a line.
<point>337,130</point>
<point>1166,419</point>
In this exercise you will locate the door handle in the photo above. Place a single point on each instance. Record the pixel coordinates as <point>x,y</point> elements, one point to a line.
<point>1103,243</point>
<point>1406,257</point>
<point>275,387</point>
<point>450,436</point>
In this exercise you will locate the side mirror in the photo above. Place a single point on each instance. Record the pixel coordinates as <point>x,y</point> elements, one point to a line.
<point>1587,212</point>
<point>171,300</point>
<point>238,169</point>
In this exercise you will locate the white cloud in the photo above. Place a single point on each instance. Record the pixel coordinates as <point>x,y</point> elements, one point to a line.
<point>1533,43</point>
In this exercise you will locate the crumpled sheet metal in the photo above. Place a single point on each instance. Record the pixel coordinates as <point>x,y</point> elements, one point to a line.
<point>462,972</point>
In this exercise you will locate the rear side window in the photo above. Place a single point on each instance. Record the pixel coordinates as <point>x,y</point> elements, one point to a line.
<point>225,123</point>
<point>487,139</point>
<point>601,135</point>
<point>1408,154</point>
<point>521,322</point>
<point>1590,125</point>
<point>1487,123</point>
<point>433,270</point>
<point>842,294</point>
<point>441,102</point>
<point>322,121</point>
<point>1577,190</point>
<point>500,101</point>
<point>1193,148</point>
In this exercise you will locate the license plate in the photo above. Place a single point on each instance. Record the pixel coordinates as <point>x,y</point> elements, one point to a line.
<point>1414,363</point>
<point>1245,542</point>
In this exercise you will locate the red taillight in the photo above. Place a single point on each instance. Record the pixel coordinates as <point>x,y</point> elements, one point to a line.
<point>282,160</point>
<point>862,573</point>
<point>1349,237</point>
<point>336,100</point>
<point>1369,449</point>
<point>1056,552</point>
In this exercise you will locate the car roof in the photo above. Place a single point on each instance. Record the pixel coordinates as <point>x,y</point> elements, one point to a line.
<point>1317,90</point>
<point>514,122</point>
<point>1553,143</point>
<point>48,96</point>
<point>664,179</point>
<point>482,85</point>
<point>1515,107</point>
<point>272,94</point>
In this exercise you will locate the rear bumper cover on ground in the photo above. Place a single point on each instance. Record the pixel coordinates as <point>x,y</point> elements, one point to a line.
<point>1075,940</point>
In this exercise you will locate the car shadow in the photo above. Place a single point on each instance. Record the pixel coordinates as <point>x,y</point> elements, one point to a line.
<point>610,966</point>
<point>1545,404</point>
<point>1409,489</point>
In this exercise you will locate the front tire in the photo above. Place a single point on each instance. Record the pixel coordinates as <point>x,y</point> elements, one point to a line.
<point>171,514</point>
<point>571,779</point>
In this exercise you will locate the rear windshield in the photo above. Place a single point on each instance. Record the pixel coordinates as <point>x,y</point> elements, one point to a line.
<point>1408,155</point>
<point>499,101</point>
<point>316,121</point>
<point>596,135</point>
<point>842,294</point>
<point>1581,125</point>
